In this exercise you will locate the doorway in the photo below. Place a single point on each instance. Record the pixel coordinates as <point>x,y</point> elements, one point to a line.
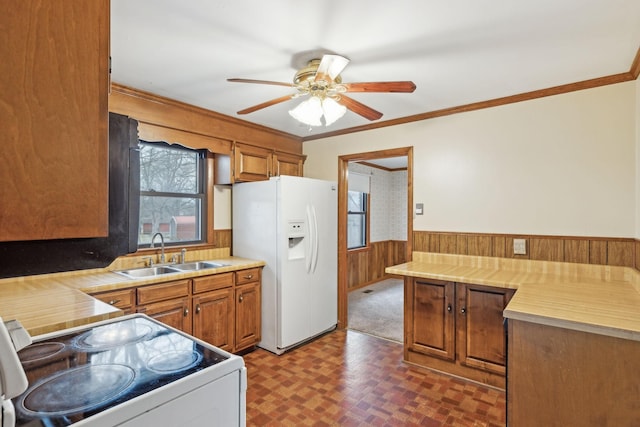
<point>343,188</point>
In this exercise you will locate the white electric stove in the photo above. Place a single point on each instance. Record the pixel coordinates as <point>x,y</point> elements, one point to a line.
<point>130,371</point>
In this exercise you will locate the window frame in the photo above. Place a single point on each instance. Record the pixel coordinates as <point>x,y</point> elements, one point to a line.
<point>367,217</point>
<point>202,195</point>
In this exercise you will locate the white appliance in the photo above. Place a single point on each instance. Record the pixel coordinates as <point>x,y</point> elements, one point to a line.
<point>131,371</point>
<point>290,223</point>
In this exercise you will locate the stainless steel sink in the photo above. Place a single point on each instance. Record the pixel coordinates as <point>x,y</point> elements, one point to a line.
<point>137,273</point>
<point>199,265</point>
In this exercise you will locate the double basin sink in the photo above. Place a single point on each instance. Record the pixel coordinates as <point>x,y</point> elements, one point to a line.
<point>160,270</point>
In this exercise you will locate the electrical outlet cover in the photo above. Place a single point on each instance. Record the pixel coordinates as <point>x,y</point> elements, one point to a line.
<point>519,246</point>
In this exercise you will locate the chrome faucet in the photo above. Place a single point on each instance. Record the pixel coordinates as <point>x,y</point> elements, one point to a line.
<point>161,246</point>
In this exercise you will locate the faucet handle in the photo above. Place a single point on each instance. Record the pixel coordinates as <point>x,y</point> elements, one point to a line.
<point>148,261</point>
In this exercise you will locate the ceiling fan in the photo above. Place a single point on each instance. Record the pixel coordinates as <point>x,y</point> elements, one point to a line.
<point>321,81</point>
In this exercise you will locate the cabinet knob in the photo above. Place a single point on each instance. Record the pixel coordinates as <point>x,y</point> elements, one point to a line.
<point>449,308</point>
<point>114,301</point>
<point>197,308</point>
<point>249,276</point>
<point>463,310</point>
<point>240,298</point>
<point>186,312</point>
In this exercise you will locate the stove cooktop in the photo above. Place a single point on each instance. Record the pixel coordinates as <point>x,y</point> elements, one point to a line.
<point>74,376</point>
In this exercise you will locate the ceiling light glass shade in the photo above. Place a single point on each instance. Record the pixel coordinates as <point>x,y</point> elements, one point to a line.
<point>308,112</point>
<point>332,110</point>
<point>311,111</point>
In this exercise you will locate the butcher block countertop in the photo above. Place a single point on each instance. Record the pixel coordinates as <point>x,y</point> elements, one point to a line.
<point>51,302</point>
<point>590,298</point>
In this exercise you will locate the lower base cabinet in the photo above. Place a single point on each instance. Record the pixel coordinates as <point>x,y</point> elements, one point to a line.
<point>560,377</point>
<point>457,328</point>
<point>222,309</point>
<point>213,318</point>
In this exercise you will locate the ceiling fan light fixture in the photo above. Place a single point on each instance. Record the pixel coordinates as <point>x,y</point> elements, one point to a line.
<point>308,112</point>
<point>332,111</point>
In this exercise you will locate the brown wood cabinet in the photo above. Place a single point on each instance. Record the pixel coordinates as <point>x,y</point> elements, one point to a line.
<point>288,164</point>
<point>222,309</point>
<point>213,319</point>
<point>174,312</point>
<point>457,328</point>
<point>560,377</point>
<point>481,338</point>
<point>213,307</point>
<point>253,163</point>
<point>54,118</point>
<point>248,315</point>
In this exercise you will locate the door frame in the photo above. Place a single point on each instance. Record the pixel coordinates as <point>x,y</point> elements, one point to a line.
<point>343,187</point>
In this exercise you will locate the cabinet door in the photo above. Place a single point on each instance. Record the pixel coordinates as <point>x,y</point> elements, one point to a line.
<point>481,333</point>
<point>251,163</point>
<point>432,326</point>
<point>213,318</point>
<point>54,120</point>
<point>288,164</point>
<point>174,313</point>
<point>248,315</point>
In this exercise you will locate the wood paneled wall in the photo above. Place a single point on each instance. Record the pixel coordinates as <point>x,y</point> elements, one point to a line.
<point>587,250</point>
<point>222,238</point>
<point>366,266</point>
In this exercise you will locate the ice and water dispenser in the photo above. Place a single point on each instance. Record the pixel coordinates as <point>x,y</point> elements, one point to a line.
<point>296,232</point>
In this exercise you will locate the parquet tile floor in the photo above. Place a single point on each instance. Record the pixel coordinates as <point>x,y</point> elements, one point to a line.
<point>347,378</point>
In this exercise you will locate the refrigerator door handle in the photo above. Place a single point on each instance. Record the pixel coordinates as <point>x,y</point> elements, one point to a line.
<point>310,238</point>
<point>316,240</point>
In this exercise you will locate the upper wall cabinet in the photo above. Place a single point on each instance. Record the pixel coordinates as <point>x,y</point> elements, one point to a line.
<point>252,163</point>
<point>54,119</point>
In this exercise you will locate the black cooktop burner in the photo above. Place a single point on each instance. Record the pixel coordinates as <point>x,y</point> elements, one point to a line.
<point>78,389</point>
<point>174,361</point>
<point>113,335</point>
<point>38,352</point>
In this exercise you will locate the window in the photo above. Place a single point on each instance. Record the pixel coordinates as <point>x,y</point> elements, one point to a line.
<point>172,194</point>
<point>357,204</point>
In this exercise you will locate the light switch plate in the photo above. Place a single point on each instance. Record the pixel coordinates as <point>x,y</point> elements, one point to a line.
<point>519,246</point>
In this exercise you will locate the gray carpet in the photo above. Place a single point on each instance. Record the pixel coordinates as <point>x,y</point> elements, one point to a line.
<point>378,309</point>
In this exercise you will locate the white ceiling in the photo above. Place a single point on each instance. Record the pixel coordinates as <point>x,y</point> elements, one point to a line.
<point>456,52</point>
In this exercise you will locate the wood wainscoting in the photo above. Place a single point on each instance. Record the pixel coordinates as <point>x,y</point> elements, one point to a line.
<point>586,250</point>
<point>222,238</point>
<point>366,266</point>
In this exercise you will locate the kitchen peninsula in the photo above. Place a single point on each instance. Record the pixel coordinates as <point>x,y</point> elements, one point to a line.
<point>573,343</point>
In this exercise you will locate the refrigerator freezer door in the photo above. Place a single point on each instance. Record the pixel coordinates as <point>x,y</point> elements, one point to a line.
<point>308,290</point>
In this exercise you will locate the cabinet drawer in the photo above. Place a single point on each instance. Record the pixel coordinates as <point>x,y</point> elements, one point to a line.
<point>211,283</point>
<point>163,291</point>
<point>121,299</point>
<point>246,276</point>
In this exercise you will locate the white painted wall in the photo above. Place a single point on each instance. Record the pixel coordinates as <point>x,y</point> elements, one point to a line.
<point>221,207</point>
<point>560,165</point>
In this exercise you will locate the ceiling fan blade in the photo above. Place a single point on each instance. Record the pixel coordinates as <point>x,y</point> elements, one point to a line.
<point>359,108</point>
<point>330,67</point>
<point>402,86</point>
<point>262,82</point>
<point>266,104</point>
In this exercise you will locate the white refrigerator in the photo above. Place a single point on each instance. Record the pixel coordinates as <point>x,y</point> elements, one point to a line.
<point>290,223</point>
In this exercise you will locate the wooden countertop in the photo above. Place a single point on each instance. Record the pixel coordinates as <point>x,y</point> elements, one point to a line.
<point>51,302</point>
<point>590,298</point>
